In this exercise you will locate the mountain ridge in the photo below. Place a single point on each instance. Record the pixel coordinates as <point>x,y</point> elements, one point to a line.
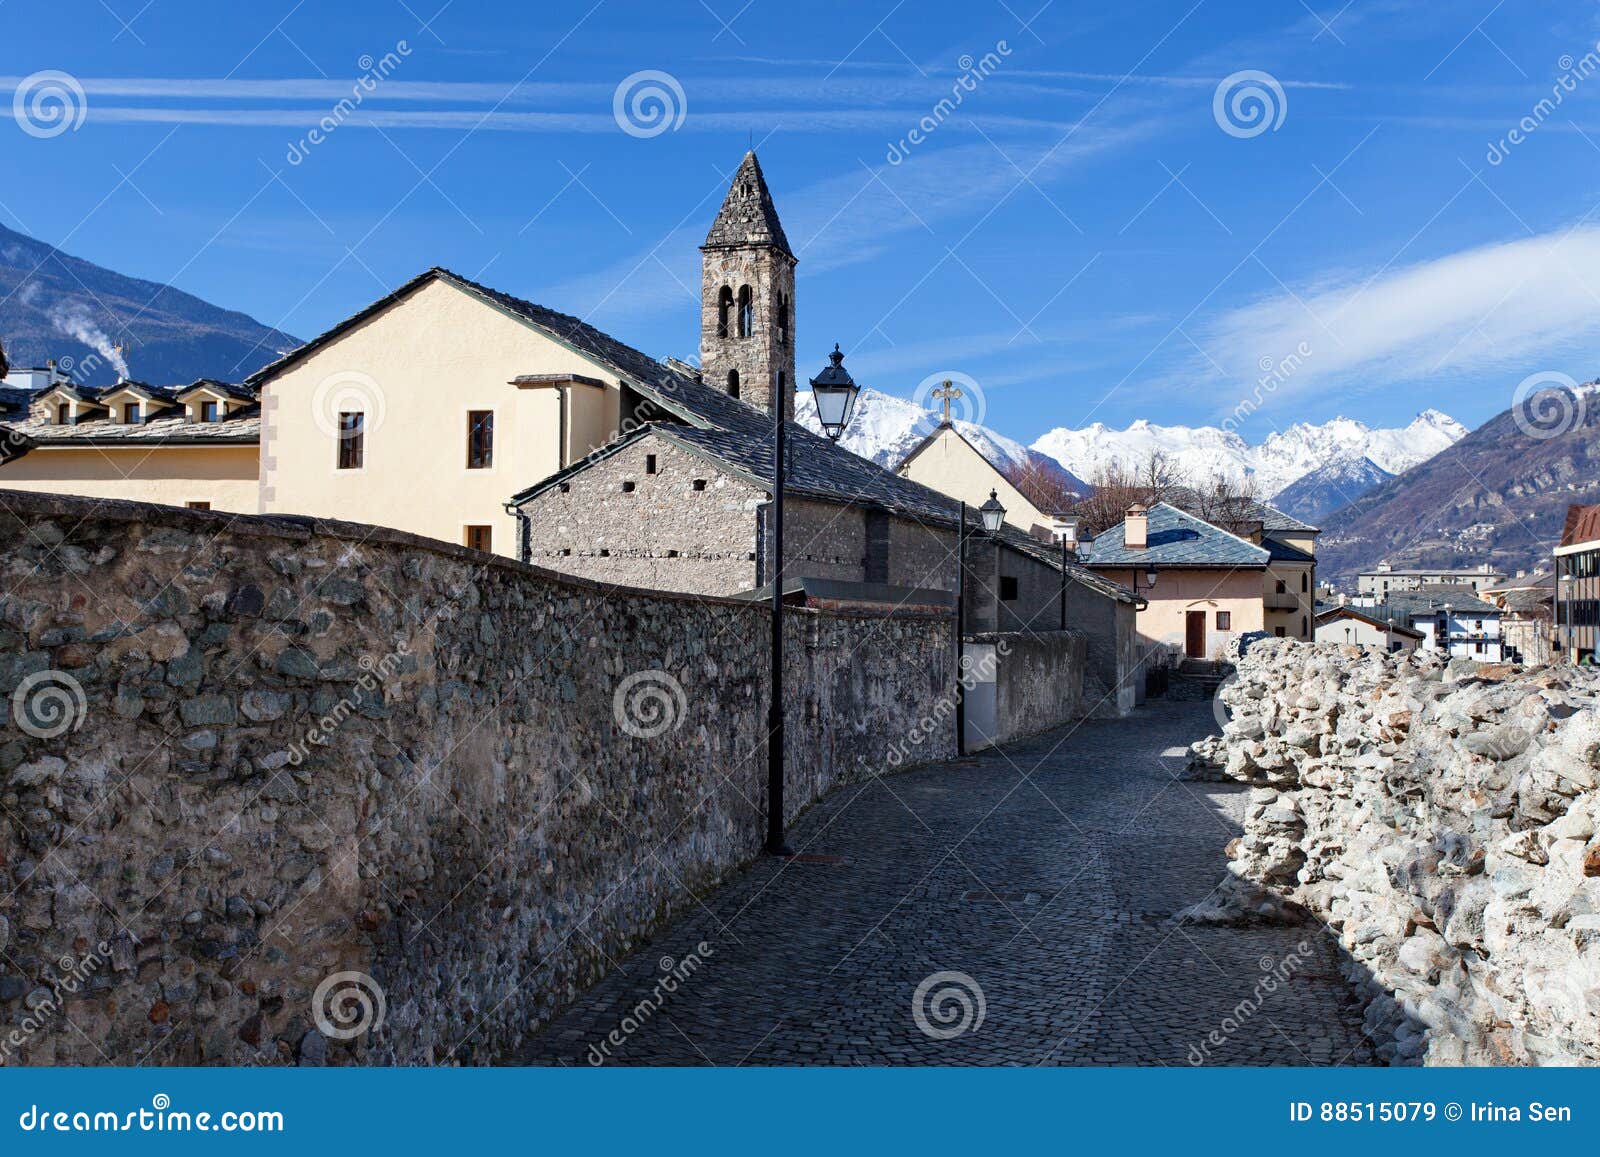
<point>1498,495</point>
<point>57,306</point>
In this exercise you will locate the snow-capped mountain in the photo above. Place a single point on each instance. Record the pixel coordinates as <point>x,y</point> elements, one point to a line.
<point>1337,483</point>
<point>885,429</point>
<point>1201,452</point>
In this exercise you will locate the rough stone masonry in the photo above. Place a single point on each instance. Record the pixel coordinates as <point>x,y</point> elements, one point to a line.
<point>248,758</point>
<point>1440,817</point>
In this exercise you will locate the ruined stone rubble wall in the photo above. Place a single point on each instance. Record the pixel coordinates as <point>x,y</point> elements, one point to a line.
<point>309,747</point>
<point>1440,817</point>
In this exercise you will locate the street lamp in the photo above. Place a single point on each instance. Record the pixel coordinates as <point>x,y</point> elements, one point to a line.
<point>835,394</point>
<point>992,513</point>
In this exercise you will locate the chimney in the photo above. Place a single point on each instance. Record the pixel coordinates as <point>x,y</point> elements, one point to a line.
<point>1065,531</point>
<point>1136,527</point>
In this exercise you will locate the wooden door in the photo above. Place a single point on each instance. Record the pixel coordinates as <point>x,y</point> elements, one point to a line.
<point>1194,634</point>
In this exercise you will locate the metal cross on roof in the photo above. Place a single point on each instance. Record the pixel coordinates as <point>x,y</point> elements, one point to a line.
<point>949,393</point>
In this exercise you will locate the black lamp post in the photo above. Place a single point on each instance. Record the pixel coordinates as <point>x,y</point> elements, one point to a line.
<point>835,393</point>
<point>992,516</point>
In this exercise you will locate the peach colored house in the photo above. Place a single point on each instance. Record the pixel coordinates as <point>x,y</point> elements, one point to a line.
<point>1203,586</point>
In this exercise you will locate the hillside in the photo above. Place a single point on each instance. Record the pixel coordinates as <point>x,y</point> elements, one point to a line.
<point>1498,495</point>
<point>1340,482</point>
<point>53,305</point>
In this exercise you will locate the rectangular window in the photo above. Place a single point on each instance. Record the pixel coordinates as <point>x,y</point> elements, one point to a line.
<point>1283,587</point>
<point>208,411</point>
<point>63,413</point>
<point>479,537</point>
<point>198,505</point>
<point>352,440</point>
<point>130,413</point>
<point>1225,621</point>
<point>1279,631</point>
<point>480,439</point>
<point>1008,588</point>
<point>649,463</point>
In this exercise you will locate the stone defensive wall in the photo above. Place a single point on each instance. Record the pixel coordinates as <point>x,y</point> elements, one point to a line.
<point>265,780</point>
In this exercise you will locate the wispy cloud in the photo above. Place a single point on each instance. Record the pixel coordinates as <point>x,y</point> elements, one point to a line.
<point>854,216</point>
<point>1523,305</point>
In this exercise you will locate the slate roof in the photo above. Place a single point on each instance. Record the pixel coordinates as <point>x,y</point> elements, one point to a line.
<point>571,331</point>
<point>1244,510</point>
<point>169,425</point>
<point>1352,613</point>
<point>1282,552</point>
<point>747,218</point>
<point>1403,606</point>
<point>14,398</point>
<point>1176,538</point>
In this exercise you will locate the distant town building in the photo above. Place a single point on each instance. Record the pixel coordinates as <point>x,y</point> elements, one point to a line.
<point>1352,625</point>
<point>1386,580</point>
<point>1450,618</point>
<point>1527,620</point>
<point>1577,593</point>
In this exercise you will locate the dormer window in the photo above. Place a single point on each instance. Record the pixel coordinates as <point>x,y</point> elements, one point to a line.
<point>63,413</point>
<point>208,412</point>
<point>130,414</point>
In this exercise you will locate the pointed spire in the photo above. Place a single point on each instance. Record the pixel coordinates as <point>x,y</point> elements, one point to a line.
<point>748,217</point>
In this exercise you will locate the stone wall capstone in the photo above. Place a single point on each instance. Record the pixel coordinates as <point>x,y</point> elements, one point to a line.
<point>251,761</point>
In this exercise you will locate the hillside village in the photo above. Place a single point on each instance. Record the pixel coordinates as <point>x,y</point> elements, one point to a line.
<point>505,638</point>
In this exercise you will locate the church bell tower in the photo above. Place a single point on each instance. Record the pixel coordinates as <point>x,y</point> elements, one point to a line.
<point>747,297</point>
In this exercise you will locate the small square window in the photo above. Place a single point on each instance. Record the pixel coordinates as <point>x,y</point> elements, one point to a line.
<point>566,488</point>
<point>699,483</point>
<point>1279,631</point>
<point>627,487</point>
<point>1008,588</point>
<point>1225,621</point>
<point>479,537</point>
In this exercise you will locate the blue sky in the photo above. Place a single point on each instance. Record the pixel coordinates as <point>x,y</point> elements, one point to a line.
<point>1083,235</point>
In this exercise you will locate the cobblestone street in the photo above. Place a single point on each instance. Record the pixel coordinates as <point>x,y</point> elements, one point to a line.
<point>1048,874</point>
